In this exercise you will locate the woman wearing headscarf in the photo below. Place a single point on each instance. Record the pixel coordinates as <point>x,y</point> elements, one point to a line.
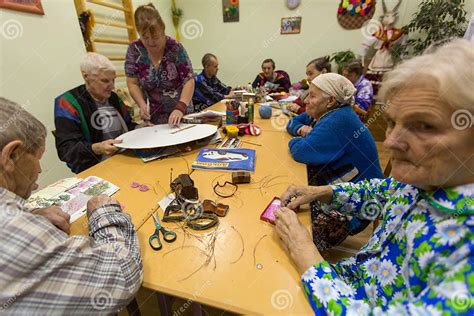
<point>419,260</point>
<point>338,148</point>
<point>314,68</point>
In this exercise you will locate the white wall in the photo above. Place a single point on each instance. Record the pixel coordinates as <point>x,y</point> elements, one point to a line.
<point>242,46</point>
<point>39,59</point>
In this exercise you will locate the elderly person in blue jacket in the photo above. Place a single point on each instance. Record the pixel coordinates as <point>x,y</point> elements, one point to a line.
<point>338,148</point>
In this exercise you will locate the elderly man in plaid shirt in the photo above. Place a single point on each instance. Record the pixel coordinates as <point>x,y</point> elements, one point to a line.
<point>42,269</point>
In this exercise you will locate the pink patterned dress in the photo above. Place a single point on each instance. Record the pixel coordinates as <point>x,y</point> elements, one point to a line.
<point>162,86</point>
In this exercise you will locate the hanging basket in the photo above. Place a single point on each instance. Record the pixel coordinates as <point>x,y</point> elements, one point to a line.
<point>349,19</point>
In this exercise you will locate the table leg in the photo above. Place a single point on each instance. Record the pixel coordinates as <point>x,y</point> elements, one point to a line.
<point>197,309</point>
<point>133,309</point>
<point>165,302</point>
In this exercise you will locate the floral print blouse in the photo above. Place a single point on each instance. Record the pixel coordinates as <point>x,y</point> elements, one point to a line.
<point>419,260</point>
<point>162,86</point>
<point>365,93</point>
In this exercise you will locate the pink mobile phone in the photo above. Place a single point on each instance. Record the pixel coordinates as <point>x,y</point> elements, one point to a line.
<point>268,214</point>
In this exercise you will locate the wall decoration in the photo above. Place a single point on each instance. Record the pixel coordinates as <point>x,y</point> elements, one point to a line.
<point>176,14</point>
<point>383,39</point>
<point>291,25</point>
<point>230,10</point>
<point>292,4</point>
<point>31,6</point>
<point>351,14</point>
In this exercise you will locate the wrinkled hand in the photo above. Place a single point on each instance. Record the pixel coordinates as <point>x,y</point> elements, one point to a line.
<point>296,239</point>
<point>144,124</point>
<point>175,118</point>
<point>304,130</point>
<point>293,107</point>
<point>106,147</point>
<point>56,216</point>
<point>297,195</point>
<point>230,95</point>
<point>144,114</point>
<point>98,201</point>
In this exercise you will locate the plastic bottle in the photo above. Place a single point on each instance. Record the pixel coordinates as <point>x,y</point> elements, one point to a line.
<point>251,107</point>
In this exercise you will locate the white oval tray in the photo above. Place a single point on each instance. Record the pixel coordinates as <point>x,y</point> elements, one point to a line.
<point>163,135</point>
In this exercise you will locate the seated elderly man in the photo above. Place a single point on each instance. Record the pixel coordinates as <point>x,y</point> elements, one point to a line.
<point>338,148</point>
<point>419,261</point>
<point>89,117</point>
<point>209,89</point>
<point>43,270</point>
<point>354,71</point>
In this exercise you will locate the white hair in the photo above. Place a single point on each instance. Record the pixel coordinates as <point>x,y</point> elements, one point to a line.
<point>93,64</point>
<point>449,68</point>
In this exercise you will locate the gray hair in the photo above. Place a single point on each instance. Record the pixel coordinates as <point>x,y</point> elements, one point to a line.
<point>449,69</point>
<point>207,58</point>
<point>18,124</point>
<point>93,64</point>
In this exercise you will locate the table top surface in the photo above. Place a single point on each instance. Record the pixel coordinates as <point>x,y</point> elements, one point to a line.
<point>239,266</point>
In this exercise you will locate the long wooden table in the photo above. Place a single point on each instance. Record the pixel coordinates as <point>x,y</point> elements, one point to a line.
<point>238,266</point>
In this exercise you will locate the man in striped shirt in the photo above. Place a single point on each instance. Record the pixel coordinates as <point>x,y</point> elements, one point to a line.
<point>42,269</point>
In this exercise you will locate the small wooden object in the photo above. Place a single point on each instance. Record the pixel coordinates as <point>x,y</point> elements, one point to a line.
<point>240,177</point>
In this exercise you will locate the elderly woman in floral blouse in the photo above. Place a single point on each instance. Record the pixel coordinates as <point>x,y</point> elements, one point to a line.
<point>420,259</point>
<point>159,73</point>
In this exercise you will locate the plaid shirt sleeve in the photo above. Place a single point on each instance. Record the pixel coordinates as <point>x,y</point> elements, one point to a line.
<point>44,271</point>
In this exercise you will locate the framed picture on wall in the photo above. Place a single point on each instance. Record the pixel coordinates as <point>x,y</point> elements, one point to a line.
<point>31,6</point>
<point>230,10</point>
<point>291,25</point>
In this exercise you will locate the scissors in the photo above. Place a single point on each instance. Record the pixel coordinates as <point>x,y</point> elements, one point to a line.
<point>154,240</point>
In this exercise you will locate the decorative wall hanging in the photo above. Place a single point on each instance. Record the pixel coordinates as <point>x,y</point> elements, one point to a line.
<point>291,25</point>
<point>31,6</point>
<point>176,14</point>
<point>383,39</point>
<point>352,14</point>
<point>230,10</point>
<point>292,4</point>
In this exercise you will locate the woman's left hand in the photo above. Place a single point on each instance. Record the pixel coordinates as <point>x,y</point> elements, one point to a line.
<point>296,239</point>
<point>293,107</point>
<point>175,117</point>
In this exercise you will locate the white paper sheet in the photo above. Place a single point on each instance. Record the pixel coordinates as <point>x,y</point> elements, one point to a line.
<point>163,135</point>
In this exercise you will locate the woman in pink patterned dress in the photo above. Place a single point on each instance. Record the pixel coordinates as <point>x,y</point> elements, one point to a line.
<point>159,73</point>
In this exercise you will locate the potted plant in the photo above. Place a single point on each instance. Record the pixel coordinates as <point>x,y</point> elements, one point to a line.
<point>342,58</point>
<point>436,22</point>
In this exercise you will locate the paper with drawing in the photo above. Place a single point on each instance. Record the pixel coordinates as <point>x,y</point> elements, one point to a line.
<point>71,194</point>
